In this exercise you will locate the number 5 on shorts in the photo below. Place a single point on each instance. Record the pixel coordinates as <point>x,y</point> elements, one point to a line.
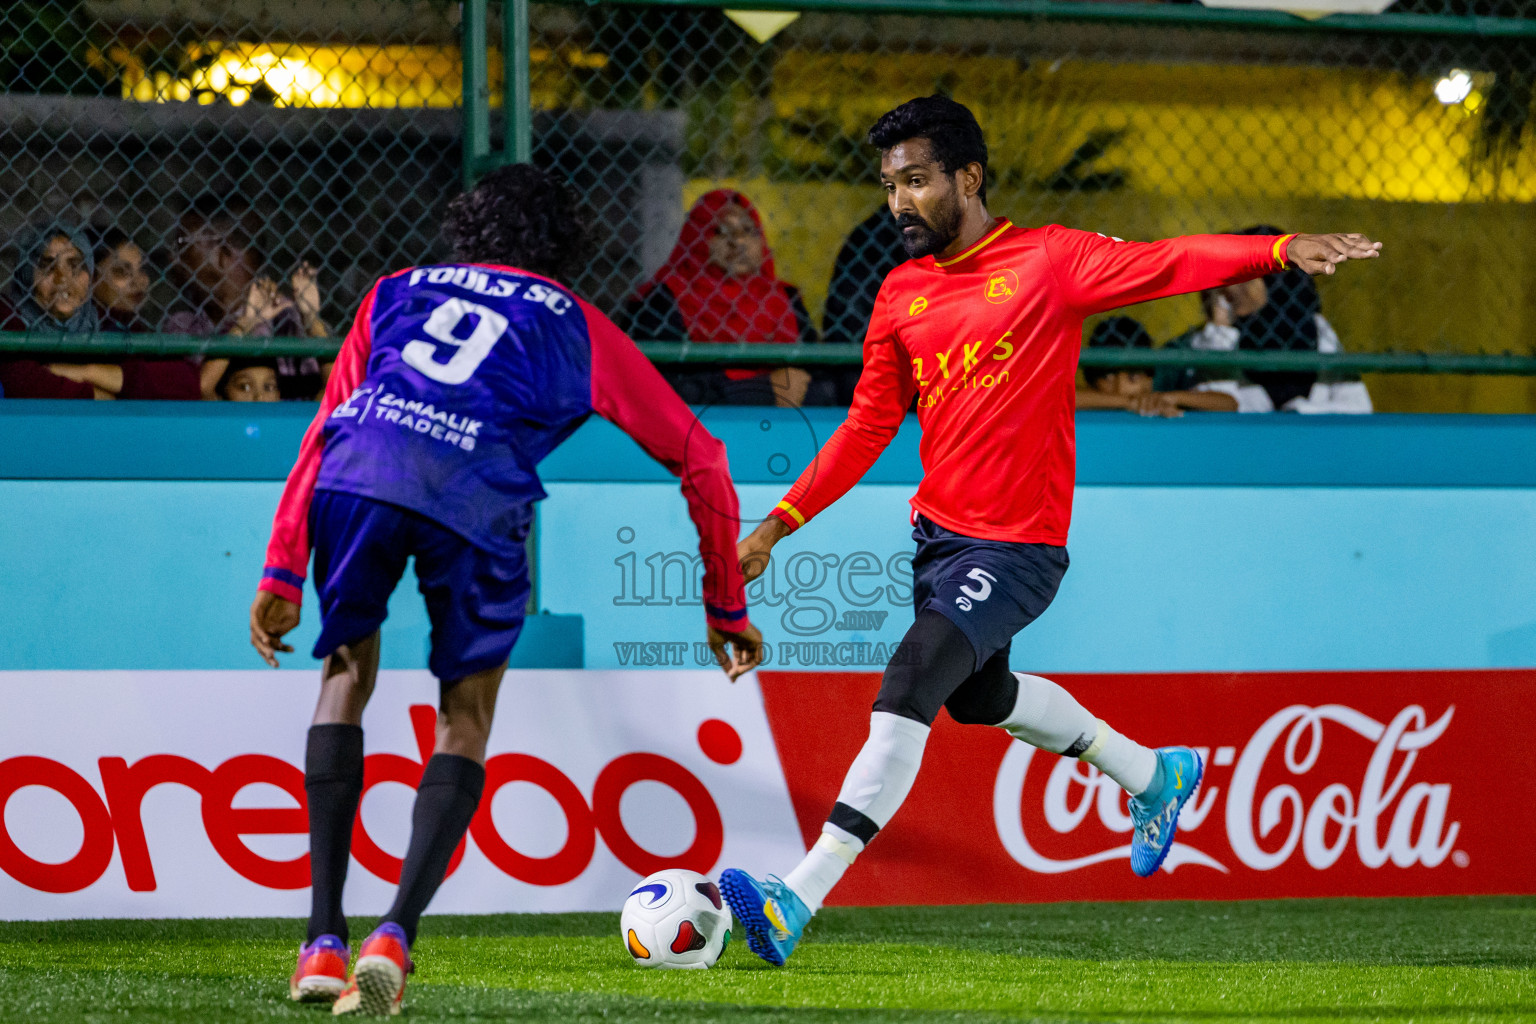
<point>985,579</point>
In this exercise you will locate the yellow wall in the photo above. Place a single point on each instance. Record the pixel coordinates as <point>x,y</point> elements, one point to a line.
<point>1205,130</point>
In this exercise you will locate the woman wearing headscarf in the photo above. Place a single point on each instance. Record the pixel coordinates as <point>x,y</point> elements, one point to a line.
<point>120,287</point>
<point>1280,312</point>
<point>50,294</point>
<point>719,285</point>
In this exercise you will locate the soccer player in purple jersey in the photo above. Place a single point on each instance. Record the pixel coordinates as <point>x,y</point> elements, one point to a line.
<point>454,382</point>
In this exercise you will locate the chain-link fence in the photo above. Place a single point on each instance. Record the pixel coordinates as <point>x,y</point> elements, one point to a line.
<point>224,143</point>
<point>235,142</point>
<point>1139,130</point>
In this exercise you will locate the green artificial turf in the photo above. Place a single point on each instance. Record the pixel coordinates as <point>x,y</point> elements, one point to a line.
<point>1316,960</point>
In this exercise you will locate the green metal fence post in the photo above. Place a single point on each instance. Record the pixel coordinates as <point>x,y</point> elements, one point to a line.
<point>517,102</point>
<point>477,90</point>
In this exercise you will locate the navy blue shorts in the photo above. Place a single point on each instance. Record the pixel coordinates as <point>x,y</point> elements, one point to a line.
<point>476,601</point>
<point>990,589</point>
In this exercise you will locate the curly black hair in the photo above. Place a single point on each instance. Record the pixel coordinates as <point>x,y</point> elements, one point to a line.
<point>949,127</point>
<point>521,216</point>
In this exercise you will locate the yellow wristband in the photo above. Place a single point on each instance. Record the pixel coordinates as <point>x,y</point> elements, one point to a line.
<point>793,512</point>
<point>1278,252</point>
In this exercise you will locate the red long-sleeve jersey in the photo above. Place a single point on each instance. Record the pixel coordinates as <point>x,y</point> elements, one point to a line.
<point>988,342</point>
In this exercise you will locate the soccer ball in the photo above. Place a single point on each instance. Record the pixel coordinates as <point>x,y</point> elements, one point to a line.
<point>675,918</point>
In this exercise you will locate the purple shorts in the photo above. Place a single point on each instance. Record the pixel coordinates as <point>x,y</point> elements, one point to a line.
<point>476,601</point>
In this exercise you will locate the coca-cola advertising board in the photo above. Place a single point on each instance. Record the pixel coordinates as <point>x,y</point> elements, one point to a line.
<point>1316,784</point>
<point>181,793</point>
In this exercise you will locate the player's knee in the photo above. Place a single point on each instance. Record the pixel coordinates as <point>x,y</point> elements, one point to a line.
<point>966,710</point>
<point>969,707</point>
<point>348,669</point>
<point>987,697</point>
<point>909,688</point>
<point>902,697</point>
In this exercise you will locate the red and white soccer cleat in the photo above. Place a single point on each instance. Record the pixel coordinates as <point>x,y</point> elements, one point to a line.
<point>377,988</point>
<point>322,971</point>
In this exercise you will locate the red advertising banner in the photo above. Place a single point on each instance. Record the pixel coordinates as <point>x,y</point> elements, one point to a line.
<point>1316,784</point>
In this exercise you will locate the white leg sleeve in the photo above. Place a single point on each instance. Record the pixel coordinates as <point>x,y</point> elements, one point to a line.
<point>1048,717</point>
<point>883,773</point>
<point>876,784</point>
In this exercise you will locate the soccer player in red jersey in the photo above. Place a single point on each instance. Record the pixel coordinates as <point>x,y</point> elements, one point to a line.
<point>982,326</point>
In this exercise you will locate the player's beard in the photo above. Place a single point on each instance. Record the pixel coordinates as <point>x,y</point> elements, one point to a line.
<point>920,238</point>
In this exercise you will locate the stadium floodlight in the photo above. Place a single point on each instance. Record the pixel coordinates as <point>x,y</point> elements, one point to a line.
<point>1454,87</point>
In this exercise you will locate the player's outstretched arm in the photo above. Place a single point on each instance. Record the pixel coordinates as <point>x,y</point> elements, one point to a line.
<point>880,402</point>
<point>1322,254</point>
<point>1097,273</point>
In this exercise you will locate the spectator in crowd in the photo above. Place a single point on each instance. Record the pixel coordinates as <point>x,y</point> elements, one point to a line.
<point>50,294</point>
<point>871,251</point>
<point>1130,387</point>
<point>250,380</point>
<point>119,290</point>
<point>1277,313</point>
<point>121,284</point>
<point>719,285</point>
<point>217,270</point>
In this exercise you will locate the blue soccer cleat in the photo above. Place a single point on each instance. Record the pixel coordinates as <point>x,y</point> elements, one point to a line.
<point>1155,815</point>
<point>773,916</point>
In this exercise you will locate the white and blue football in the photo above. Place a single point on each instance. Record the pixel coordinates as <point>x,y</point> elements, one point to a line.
<point>675,918</point>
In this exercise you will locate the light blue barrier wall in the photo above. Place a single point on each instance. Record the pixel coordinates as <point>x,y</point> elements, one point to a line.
<point>131,537</point>
<point>1162,578</point>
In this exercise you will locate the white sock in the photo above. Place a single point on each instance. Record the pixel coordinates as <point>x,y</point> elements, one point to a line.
<point>823,866</point>
<point>875,786</point>
<point>1130,764</point>
<point>1048,717</point>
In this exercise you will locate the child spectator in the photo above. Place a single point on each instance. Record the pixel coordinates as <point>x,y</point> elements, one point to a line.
<point>719,285</point>
<point>250,380</point>
<point>121,284</point>
<point>1130,388</point>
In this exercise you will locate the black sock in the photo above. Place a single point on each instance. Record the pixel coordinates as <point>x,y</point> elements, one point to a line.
<point>333,781</point>
<point>445,802</point>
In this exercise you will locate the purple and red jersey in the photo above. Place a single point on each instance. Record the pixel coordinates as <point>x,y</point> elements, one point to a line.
<point>455,381</point>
